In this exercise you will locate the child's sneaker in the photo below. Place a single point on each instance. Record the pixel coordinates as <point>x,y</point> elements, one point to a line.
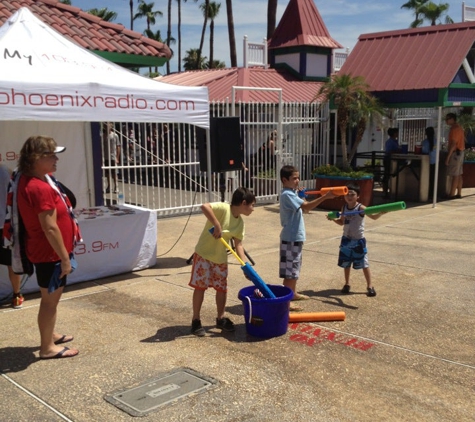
<point>371,292</point>
<point>17,301</point>
<point>196,328</point>
<point>225,324</point>
<point>346,289</point>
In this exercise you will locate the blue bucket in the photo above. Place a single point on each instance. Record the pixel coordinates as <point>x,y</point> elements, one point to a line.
<point>266,317</point>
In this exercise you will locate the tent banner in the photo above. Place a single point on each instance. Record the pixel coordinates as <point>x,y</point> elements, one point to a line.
<point>63,102</point>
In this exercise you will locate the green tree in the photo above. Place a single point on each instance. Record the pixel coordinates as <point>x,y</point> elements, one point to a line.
<point>213,12</point>
<point>192,61</point>
<point>271,17</point>
<point>157,36</point>
<point>217,64</point>
<point>231,33</point>
<point>345,91</point>
<point>203,31</point>
<point>131,5</point>
<point>68,2</point>
<point>434,12</point>
<point>104,13</point>
<point>169,29</point>
<point>416,6</point>
<point>145,10</point>
<point>179,32</point>
<point>365,107</point>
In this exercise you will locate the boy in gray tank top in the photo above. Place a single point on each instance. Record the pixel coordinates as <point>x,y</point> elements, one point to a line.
<point>353,243</point>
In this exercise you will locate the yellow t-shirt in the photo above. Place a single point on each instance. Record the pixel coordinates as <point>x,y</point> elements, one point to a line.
<point>212,249</point>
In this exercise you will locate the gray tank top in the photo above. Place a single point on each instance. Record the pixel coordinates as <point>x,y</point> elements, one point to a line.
<point>354,224</point>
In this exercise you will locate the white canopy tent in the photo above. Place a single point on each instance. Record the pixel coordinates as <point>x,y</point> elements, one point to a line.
<point>47,80</point>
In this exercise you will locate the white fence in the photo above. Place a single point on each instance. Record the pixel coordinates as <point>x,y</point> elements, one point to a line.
<point>159,164</point>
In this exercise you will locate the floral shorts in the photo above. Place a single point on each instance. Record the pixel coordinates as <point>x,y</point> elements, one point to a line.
<point>206,274</point>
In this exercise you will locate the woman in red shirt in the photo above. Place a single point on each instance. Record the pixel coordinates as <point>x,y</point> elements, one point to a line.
<point>49,239</point>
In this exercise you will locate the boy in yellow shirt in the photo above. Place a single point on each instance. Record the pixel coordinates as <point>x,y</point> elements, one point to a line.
<point>210,260</point>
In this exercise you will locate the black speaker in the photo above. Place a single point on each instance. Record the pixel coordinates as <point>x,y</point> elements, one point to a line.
<point>227,152</point>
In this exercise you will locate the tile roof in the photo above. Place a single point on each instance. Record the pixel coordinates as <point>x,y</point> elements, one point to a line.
<point>421,58</point>
<point>221,81</point>
<point>87,30</point>
<point>301,24</point>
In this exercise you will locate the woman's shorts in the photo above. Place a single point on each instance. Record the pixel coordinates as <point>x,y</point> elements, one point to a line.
<point>206,274</point>
<point>290,259</point>
<point>353,251</point>
<point>44,272</point>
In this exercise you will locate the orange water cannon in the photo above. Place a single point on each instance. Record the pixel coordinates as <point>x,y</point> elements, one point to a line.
<point>337,190</point>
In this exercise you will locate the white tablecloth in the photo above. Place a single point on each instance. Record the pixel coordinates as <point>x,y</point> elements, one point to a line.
<point>114,243</point>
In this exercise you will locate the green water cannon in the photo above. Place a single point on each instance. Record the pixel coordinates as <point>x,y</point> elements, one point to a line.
<point>393,206</point>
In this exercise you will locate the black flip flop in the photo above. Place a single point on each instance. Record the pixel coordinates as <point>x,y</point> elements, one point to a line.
<point>62,339</point>
<point>60,354</point>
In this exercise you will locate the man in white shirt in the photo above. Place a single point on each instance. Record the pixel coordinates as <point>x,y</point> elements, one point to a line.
<point>111,151</point>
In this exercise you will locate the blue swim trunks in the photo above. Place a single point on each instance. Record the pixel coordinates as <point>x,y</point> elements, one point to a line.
<point>353,251</point>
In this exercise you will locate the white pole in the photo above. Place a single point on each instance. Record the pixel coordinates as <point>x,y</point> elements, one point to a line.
<point>437,156</point>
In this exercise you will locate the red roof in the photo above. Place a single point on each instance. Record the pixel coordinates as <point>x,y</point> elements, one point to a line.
<point>87,30</point>
<point>300,25</point>
<point>420,58</point>
<point>221,81</point>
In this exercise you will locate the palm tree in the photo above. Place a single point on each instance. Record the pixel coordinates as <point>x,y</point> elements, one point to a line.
<point>192,61</point>
<point>217,64</point>
<point>169,29</point>
<point>345,91</point>
<point>145,10</point>
<point>232,36</point>
<point>433,12</point>
<point>271,17</point>
<point>104,13</point>
<point>131,5</point>
<point>157,36</point>
<point>415,5</point>
<point>202,40</point>
<point>362,110</point>
<point>179,31</point>
<point>213,12</point>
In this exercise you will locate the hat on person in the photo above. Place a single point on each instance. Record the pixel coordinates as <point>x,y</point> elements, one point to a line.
<point>59,149</point>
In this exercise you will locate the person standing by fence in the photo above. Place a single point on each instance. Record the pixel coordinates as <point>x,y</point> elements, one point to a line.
<point>454,160</point>
<point>6,253</point>
<point>111,151</point>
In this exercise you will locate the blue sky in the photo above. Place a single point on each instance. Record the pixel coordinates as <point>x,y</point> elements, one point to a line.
<point>345,20</point>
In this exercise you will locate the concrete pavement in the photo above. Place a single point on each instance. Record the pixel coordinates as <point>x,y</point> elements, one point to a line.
<point>405,355</point>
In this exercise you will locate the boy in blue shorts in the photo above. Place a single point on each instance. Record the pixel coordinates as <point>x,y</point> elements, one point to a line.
<point>353,243</point>
<point>292,235</point>
<point>210,260</point>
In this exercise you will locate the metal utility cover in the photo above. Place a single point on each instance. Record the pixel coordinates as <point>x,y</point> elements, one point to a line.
<point>167,389</point>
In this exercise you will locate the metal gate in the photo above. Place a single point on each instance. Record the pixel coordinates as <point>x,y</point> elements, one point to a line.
<point>157,166</point>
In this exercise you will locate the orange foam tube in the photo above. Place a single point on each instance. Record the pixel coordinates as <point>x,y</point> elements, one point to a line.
<point>337,190</point>
<point>316,316</point>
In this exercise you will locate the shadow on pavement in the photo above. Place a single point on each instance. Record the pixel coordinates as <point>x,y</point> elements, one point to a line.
<point>17,359</point>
